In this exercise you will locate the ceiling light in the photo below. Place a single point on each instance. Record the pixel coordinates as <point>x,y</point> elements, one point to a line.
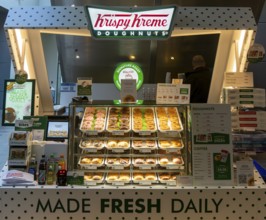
<point>77,56</point>
<point>132,57</point>
<point>73,5</point>
<point>172,58</point>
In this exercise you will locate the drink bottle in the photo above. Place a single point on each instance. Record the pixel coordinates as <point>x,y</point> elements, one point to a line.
<point>61,177</point>
<point>61,162</point>
<point>50,170</point>
<point>42,171</point>
<point>33,167</point>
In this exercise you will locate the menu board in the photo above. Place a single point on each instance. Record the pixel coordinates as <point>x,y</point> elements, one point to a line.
<point>211,144</point>
<point>172,93</point>
<point>128,91</point>
<point>238,79</point>
<point>18,101</point>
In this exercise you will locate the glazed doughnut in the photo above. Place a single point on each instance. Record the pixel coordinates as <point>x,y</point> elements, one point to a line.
<point>97,177</point>
<point>138,177</point>
<point>150,161</point>
<point>139,161</point>
<point>149,176</point>
<point>165,177</point>
<point>96,161</point>
<point>177,160</point>
<point>164,161</point>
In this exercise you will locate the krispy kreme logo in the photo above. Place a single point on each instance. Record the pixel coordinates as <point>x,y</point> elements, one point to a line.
<point>153,23</point>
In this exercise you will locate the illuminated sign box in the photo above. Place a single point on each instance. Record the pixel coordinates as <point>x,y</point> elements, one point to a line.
<point>137,23</point>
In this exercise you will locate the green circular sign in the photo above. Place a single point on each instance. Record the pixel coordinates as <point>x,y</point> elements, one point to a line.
<point>21,76</point>
<point>256,53</point>
<point>128,70</point>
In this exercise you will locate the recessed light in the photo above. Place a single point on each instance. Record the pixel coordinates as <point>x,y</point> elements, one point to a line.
<point>73,5</point>
<point>77,56</point>
<point>132,57</point>
<point>172,58</point>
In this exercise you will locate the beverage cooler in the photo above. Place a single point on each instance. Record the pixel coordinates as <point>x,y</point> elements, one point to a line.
<point>124,144</point>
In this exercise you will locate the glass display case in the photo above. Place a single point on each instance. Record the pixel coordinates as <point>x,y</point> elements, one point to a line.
<point>122,144</point>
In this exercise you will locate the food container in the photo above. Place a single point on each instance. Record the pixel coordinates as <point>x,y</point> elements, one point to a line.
<point>145,178</point>
<point>91,163</point>
<point>171,145</point>
<point>94,120</point>
<point>92,145</point>
<point>171,162</point>
<point>143,120</point>
<point>168,178</point>
<point>118,146</point>
<point>118,163</point>
<point>144,146</point>
<point>119,120</point>
<point>145,162</point>
<point>168,119</point>
<point>118,179</point>
<point>93,178</point>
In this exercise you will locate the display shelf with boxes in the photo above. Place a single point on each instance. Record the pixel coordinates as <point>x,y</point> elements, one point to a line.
<point>19,150</point>
<point>128,143</point>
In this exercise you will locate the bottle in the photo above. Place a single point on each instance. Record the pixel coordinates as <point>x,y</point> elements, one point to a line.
<point>61,163</point>
<point>42,171</point>
<point>50,177</point>
<point>33,166</point>
<point>61,175</point>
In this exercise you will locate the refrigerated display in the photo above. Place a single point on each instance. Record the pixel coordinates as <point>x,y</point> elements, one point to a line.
<point>129,144</point>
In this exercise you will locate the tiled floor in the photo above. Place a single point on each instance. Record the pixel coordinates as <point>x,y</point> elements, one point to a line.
<point>4,137</point>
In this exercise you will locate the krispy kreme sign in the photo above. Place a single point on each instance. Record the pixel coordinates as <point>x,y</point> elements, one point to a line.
<point>152,23</point>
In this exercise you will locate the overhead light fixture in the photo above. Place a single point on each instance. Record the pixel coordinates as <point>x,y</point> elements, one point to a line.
<point>77,55</point>
<point>73,5</point>
<point>172,58</point>
<point>132,57</point>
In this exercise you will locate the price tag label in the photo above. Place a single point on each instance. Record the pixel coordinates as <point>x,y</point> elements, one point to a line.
<point>145,183</point>
<point>118,150</point>
<point>145,150</point>
<point>171,150</point>
<point>118,183</point>
<point>117,167</point>
<point>118,133</point>
<point>91,167</point>
<point>92,133</point>
<point>145,167</point>
<point>144,133</point>
<point>90,150</point>
<point>171,183</point>
<point>91,183</point>
<point>171,133</point>
<point>173,167</point>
